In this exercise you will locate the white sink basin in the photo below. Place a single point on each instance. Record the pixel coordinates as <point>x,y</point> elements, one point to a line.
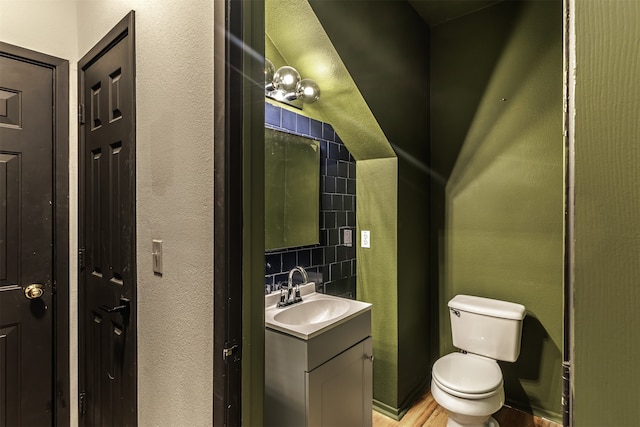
<point>316,313</point>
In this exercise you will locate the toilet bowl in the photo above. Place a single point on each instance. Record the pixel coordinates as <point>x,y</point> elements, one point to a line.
<point>469,384</point>
<point>469,388</point>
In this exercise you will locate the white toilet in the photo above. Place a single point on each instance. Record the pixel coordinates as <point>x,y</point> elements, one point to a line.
<point>468,385</point>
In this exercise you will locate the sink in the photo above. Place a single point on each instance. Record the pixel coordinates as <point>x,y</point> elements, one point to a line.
<point>318,361</point>
<point>314,311</point>
<point>316,314</point>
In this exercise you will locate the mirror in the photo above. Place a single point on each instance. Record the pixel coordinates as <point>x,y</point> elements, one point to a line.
<point>292,190</point>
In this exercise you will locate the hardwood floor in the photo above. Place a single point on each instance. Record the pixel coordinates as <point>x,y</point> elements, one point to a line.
<point>427,413</point>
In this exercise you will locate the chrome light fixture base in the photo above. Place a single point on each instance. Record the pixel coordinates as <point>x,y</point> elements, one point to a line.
<point>286,85</point>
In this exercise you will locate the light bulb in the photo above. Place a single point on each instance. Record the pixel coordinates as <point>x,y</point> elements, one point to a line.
<point>269,71</point>
<point>286,79</point>
<point>308,91</point>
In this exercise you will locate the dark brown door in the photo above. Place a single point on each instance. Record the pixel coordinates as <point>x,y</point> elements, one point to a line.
<point>26,242</point>
<point>107,231</point>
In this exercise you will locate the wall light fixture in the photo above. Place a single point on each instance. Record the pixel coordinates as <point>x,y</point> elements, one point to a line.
<point>285,84</point>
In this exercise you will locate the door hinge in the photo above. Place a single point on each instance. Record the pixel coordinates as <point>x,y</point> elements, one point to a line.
<point>81,260</point>
<point>230,351</point>
<point>81,117</point>
<point>82,403</point>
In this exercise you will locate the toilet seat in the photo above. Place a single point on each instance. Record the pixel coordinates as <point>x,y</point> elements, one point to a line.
<point>467,376</point>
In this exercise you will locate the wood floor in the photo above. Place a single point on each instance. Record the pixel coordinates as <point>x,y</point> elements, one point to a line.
<point>427,413</point>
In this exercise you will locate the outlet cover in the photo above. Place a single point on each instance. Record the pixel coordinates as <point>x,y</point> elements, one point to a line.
<point>365,239</point>
<point>347,237</point>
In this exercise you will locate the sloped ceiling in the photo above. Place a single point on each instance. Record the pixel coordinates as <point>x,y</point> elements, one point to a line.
<point>293,30</point>
<point>435,12</point>
<point>371,61</point>
<point>385,46</point>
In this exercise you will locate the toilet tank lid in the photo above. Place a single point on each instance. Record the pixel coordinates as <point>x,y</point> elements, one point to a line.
<point>488,307</point>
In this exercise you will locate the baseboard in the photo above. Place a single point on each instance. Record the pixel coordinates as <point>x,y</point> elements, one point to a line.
<point>547,415</point>
<point>398,413</point>
<point>387,410</point>
<point>537,412</point>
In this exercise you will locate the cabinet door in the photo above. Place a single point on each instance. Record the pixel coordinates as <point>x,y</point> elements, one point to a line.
<point>339,392</point>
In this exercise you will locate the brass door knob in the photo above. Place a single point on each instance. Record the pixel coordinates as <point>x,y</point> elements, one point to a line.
<point>34,291</point>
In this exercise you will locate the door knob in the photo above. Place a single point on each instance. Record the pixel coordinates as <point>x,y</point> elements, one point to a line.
<point>33,291</point>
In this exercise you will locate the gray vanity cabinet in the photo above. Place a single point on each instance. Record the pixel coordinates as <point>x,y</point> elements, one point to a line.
<point>325,380</point>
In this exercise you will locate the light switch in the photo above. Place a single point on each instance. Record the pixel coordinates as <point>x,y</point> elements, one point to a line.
<point>156,253</point>
<point>347,239</point>
<point>365,239</point>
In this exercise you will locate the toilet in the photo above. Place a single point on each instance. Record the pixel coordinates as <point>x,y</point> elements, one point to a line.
<point>468,384</point>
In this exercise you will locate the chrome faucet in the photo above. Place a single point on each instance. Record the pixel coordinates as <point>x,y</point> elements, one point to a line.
<point>303,273</point>
<point>292,294</point>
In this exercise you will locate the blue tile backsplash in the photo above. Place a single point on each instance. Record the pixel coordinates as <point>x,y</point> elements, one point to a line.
<point>330,264</point>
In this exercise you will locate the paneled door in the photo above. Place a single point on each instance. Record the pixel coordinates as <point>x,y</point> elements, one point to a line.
<point>107,289</point>
<point>26,242</point>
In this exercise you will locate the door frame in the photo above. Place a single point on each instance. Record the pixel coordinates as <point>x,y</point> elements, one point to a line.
<point>60,202</point>
<point>238,260</point>
<point>569,61</point>
<point>227,219</point>
<point>249,24</point>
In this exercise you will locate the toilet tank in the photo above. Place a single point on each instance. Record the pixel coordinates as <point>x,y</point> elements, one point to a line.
<point>487,327</point>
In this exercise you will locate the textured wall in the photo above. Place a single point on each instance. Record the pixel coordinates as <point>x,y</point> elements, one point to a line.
<point>42,25</point>
<point>607,230</point>
<point>174,61</point>
<point>497,136</point>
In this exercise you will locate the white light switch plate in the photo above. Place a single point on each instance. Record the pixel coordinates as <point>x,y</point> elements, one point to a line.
<point>365,239</point>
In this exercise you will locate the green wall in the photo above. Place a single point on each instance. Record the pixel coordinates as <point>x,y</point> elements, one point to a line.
<point>497,142</point>
<point>607,204</point>
<point>376,186</point>
<point>391,71</point>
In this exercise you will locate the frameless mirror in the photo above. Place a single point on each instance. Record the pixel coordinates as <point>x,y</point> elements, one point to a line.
<point>292,190</point>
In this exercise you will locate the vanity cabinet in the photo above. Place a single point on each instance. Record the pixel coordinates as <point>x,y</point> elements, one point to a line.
<point>325,380</point>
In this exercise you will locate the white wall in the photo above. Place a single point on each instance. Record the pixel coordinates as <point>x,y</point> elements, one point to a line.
<point>174,60</point>
<point>47,26</point>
